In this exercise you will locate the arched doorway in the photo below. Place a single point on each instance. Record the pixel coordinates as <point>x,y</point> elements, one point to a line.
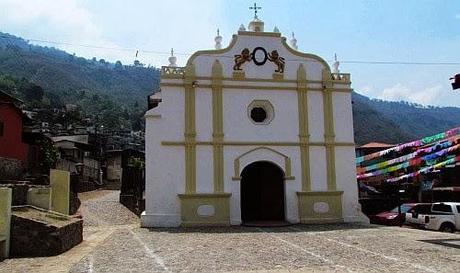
<point>262,193</point>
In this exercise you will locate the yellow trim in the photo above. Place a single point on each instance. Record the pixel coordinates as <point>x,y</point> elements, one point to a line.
<point>257,33</point>
<point>238,75</point>
<point>306,203</point>
<point>304,137</point>
<point>238,178</point>
<point>278,77</point>
<point>213,52</point>
<point>236,86</point>
<point>254,143</point>
<point>190,131</point>
<point>329,135</point>
<point>217,127</point>
<point>305,55</point>
<point>190,204</point>
<point>287,163</point>
<point>274,88</point>
<point>256,80</point>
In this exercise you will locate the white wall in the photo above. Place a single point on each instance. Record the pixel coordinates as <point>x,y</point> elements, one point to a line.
<point>165,164</point>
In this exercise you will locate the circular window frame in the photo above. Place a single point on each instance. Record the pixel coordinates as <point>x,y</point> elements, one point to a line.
<point>266,106</point>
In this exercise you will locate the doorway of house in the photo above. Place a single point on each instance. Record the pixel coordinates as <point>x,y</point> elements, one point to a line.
<point>262,194</point>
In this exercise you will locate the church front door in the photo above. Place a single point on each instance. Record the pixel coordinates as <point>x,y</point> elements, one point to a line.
<point>262,193</point>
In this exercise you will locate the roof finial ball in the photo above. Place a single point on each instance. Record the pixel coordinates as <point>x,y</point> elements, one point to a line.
<point>293,42</point>
<point>172,59</point>
<point>218,40</point>
<point>336,65</point>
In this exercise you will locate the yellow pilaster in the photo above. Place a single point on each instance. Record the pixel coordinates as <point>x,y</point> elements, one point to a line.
<point>60,191</point>
<point>303,128</point>
<point>190,131</point>
<point>5,221</point>
<point>329,135</point>
<point>217,127</point>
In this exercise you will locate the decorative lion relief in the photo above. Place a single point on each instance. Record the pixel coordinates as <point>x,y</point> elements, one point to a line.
<point>259,56</point>
<point>240,59</point>
<point>275,58</point>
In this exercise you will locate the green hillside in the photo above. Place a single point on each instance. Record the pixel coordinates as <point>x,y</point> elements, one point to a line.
<point>97,86</point>
<point>114,94</point>
<point>393,122</point>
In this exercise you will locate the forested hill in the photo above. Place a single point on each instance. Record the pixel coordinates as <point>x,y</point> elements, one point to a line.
<point>116,94</point>
<point>66,77</point>
<point>394,122</point>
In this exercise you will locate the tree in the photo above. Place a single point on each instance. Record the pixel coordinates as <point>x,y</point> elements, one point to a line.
<point>138,64</point>
<point>33,92</point>
<point>118,65</point>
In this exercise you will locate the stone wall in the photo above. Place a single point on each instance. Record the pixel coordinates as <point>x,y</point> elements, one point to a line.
<point>52,235</point>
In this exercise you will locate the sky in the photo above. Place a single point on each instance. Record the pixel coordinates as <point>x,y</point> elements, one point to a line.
<point>414,31</point>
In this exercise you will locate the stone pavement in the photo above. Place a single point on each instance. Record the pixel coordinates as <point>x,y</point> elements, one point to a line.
<point>114,246</point>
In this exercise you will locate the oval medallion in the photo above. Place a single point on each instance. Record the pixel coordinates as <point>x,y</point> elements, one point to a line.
<point>259,55</point>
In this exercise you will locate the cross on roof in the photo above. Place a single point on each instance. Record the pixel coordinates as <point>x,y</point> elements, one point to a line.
<point>255,8</point>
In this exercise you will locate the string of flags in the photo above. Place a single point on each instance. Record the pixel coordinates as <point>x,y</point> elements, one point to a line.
<point>411,162</point>
<point>380,165</point>
<point>426,169</point>
<point>416,143</point>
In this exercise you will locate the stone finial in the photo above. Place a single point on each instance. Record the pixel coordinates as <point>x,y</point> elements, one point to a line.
<point>242,28</point>
<point>293,42</point>
<point>276,29</point>
<point>218,40</point>
<point>172,59</point>
<point>336,65</point>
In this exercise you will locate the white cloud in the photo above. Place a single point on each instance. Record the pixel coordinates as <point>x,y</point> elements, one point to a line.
<point>63,21</point>
<point>398,92</point>
<point>147,25</point>
<point>51,16</point>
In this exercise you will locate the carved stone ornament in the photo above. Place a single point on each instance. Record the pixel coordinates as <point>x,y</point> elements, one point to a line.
<point>275,58</point>
<point>240,59</point>
<point>259,56</point>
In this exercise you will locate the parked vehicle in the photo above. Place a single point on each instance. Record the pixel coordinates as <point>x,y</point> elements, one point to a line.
<point>392,217</point>
<point>443,217</point>
<point>416,215</point>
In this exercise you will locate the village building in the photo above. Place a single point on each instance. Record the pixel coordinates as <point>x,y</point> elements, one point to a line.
<point>11,145</point>
<point>255,133</point>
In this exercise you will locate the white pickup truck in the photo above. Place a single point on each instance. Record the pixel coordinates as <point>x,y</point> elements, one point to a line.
<point>444,216</point>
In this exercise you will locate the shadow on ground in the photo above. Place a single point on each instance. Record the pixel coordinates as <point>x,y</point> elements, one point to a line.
<point>292,228</point>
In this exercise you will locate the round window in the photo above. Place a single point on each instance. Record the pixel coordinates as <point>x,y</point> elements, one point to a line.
<point>258,114</point>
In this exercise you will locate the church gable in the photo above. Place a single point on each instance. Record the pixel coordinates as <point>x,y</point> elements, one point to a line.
<point>253,55</point>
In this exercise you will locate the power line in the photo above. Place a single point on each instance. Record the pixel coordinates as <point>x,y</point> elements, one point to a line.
<point>400,63</point>
<point>189,54</point>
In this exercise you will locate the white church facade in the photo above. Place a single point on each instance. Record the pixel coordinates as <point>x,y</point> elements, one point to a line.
<point>255,132</point>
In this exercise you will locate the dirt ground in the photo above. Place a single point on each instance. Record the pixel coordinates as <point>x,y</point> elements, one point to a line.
<point>115,243</point>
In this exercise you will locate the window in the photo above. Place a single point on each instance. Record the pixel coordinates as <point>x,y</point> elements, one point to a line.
<point>261,112</point>
<point>404,208</point>
<point>422,209</point>
<point>258,114</point>
<point>442,208</point>
<point>1,128</point>
<point>458,209</point>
